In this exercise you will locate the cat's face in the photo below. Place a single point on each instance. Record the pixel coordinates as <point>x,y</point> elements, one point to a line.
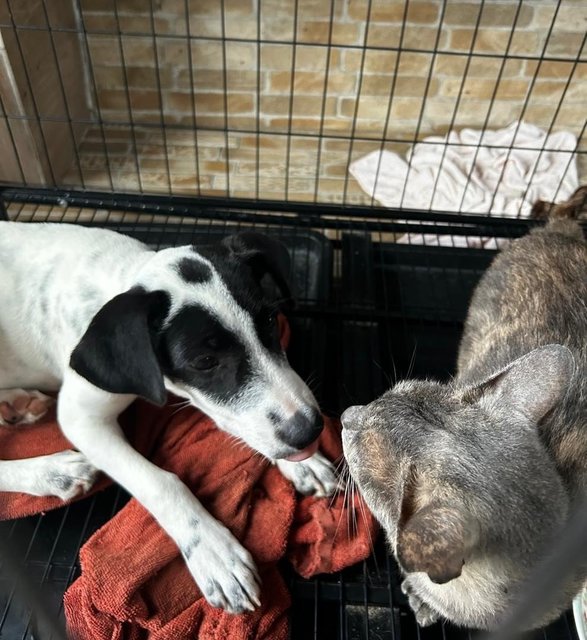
<point>416,445</point>
<point>444,468</point>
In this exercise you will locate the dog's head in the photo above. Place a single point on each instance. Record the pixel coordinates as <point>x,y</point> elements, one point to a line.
<point>200,322</point>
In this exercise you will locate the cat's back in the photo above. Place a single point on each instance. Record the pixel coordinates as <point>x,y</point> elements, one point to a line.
<point>534,294</point>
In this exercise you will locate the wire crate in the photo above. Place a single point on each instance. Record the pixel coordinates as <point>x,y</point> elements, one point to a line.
<point>180,121</point>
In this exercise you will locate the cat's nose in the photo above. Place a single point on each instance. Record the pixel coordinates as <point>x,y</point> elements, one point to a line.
<point>351,417</point>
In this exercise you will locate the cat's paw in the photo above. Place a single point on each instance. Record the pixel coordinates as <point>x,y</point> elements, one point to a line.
<point>425,615</point>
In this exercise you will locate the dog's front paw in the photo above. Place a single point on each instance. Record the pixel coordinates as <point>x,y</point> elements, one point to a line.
<point>223,569</point>
<point>18,406</point>
<point>425,616</point>
<point>66,475</point>
<point>315,476</point>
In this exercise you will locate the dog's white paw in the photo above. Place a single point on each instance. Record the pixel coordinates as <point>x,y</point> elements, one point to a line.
<point>223,569</point>
<point>315,476</point>
<point>18,406</point>
<point>66,475</point>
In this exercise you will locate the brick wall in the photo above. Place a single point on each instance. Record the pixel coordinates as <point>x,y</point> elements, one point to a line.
<point>375,70</point>
<point>44,107</point>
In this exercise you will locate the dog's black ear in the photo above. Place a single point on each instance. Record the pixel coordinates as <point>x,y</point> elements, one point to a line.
<point>117,351</point>
<point>265,256</point>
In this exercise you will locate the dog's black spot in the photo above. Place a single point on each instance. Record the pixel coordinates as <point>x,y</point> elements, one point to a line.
<point>236,598</point>
<point>61,482</point>
<point>194,271</point>
<point>194,339</point>
<point>43,296</point>
<point>212,588</point>
<point>190,547</point>
<point>239,277</point>
<point>194,541</point>
<point>274,419</point>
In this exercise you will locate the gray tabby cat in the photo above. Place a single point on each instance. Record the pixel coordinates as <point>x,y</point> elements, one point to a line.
<point>473,479</point>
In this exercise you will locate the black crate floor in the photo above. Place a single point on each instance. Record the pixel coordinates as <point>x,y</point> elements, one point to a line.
<point>370,312</point>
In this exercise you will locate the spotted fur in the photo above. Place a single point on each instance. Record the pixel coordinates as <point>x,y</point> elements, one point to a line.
<point>102,319</point>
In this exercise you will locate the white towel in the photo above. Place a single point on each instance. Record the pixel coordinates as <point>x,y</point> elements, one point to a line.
<point>500,172</point>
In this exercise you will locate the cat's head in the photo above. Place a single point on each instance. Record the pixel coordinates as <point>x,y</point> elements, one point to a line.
<point>452,471</point>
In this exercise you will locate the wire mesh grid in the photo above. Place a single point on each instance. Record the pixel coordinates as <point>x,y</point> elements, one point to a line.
<point>274,101</point>
<point>371,310</point>
<point>178,121</point>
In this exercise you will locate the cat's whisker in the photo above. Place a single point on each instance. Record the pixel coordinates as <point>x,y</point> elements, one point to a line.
<point>353,512</point>
<point>343,509</point>
<point>390,382</point>
<point>412,361</point>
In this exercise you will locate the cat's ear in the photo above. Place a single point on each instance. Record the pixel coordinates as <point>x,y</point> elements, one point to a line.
<point>531,385</point>
<point>435,540</point>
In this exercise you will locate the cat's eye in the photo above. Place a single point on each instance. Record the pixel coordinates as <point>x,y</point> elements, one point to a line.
<point>205,363</point>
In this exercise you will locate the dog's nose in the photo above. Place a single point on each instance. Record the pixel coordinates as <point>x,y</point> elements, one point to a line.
<point>351,417</point>
<point>302,428</point>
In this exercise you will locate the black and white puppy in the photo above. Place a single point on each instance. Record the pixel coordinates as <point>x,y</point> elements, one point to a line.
<point>104,319</point>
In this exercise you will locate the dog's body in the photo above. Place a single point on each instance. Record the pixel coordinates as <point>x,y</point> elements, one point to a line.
<point>102,319</point>
<point>474,479</point>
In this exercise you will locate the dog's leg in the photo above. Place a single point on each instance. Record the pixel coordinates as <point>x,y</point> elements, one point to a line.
<point>18,406</point>
<point>222,568</point>
<point>65,475</point>
<point>315,476</point>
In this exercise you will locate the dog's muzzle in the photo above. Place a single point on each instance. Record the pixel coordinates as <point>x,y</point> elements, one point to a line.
<point>301,432</point>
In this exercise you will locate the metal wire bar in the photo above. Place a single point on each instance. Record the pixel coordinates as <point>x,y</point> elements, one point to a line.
<point>48,562</point>
<point>352,137</point>
<point>459,96</point>
<point>64,95</point>
<point>160,97</point>
<point>575,151</point>
<point>291,100</point>
<point>193,96</point>
<point>278,41</point>
<point>225,95</point>
<point>94,90</point>
<point>29,596</point>
<point>12,141</point>
<point>526,101</point>
<point>131,123</point>
<point>15,583</point>
<point>300,134</point>
<point>423,106</point>
<point>550,128</point>
<point>491,103</point>
<point>323,105</point>
<point>31,92</point>
<point>258,104</point>
<point>323,213</point>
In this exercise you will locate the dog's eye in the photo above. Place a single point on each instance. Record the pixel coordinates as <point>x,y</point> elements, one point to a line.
<point>205,363</point>
<point>271,318</point>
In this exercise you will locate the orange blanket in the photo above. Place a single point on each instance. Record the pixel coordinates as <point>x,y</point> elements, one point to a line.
<point>134,583</point>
